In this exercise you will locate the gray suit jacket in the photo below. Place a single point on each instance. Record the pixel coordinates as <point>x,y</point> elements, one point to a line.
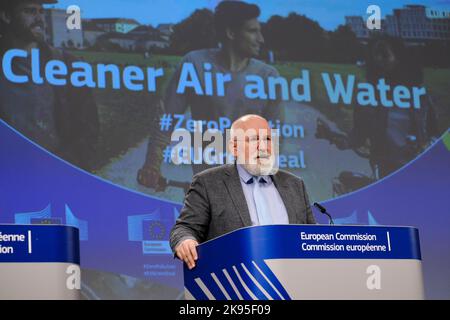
<point>215,204</point>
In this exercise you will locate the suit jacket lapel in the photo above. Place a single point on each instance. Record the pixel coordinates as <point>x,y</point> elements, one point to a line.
<point>234,187</point>
<point>289,198</point>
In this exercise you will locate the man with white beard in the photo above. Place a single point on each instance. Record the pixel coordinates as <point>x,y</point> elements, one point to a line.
<point>250,192</point>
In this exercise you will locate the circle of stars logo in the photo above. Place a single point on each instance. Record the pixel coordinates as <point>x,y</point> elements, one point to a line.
<point>157,230</point>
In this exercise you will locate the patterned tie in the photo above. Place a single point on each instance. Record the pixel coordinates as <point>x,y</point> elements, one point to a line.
<point>262,209</point>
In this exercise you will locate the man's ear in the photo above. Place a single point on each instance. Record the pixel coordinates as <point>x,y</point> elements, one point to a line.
<point>230,34</point>
<point>5,17</point>
<point>232,147</point>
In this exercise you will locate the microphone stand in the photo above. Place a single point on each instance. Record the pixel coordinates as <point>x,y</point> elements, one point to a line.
<point>324,211</point>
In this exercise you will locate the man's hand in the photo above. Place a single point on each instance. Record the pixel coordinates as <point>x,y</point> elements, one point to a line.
<point>187,252</point>
<point>323,130</point>
<point>151,178</point>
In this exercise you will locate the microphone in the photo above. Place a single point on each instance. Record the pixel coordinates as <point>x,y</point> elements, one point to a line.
<point>324,211</point>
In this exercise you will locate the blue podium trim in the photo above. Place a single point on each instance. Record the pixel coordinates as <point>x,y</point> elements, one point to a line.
<point>285,242</point>
<point>39,243</point>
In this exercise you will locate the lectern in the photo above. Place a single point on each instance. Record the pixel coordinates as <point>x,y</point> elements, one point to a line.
<point>39,262</point>
<point>284,262</point>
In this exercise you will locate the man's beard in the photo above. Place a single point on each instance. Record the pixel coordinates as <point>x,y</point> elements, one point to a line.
<point>263,165</point>
<point>26,34</point>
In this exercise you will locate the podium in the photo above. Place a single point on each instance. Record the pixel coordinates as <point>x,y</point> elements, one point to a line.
<point>39,262</point>
<point>297,262</point>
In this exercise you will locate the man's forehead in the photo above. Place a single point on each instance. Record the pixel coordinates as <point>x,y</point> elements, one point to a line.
<point>250,132</point>
<point>252,23</point>
<point>256,124</point>
<point>30,4</point>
